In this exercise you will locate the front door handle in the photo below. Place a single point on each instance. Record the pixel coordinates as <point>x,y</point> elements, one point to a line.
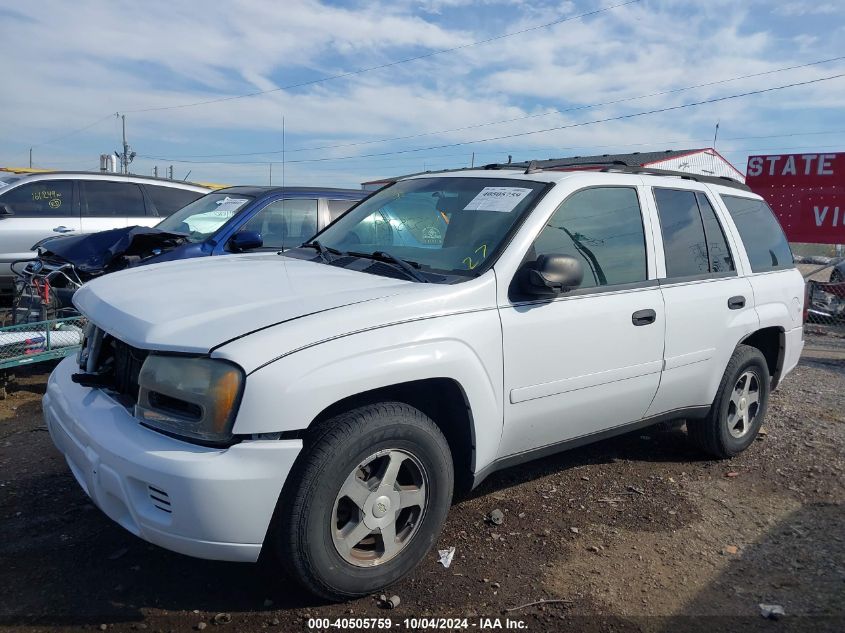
<point>643,317</point>
<point>736,303</point>
<point>63,229</point>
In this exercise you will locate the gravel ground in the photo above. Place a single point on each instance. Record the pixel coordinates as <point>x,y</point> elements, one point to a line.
<point>638,533</point>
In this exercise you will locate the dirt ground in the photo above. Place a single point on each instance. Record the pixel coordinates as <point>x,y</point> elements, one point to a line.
<point>638,533</point>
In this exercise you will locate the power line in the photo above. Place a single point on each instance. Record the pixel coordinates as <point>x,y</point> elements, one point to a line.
<point>397,62</point>
<point>525,117</point>
<point>76,131</point>
<point>521,134</point>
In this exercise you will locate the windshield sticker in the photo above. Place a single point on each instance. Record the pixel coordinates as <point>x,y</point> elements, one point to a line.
<point>226,208</point>
<point>503,199</point>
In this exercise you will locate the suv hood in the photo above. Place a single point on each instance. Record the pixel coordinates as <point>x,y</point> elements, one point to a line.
<point>196,305</point>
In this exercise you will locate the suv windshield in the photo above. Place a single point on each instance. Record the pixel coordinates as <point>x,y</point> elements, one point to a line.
<point>442,225</point>
<point>204,216</point>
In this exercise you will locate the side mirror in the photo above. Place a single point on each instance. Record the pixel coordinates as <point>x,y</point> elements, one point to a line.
<point>6,211</point>
<point>245,240</point>
<point>552,275</point>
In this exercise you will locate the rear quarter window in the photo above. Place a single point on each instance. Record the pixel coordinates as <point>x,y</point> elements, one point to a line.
<point>761,234</point>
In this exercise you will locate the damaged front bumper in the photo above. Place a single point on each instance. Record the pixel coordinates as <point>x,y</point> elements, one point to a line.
<point>205,502</point>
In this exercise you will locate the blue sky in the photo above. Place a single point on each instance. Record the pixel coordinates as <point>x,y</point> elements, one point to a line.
<point>68,65</point>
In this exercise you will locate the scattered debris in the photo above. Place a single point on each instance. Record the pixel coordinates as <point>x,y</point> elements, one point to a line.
<point>609,500</point>
<point>274,622</point>
<point>201,626</point>
<point>635,490</point>
<point>771,611</point>
<point>103,627</point>
<point>574,530</point>
<point>544,601</point>
<point>593,548</point>
<point>496,517</point>
<point>446,556</point>
<point>732,473</point>
<point>495,585</point>
<point>389,603</point>
<point>222,618</point>
<point>730,549</point>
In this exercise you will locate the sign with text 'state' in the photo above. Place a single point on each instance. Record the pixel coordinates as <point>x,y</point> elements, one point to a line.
<point>806,192</point>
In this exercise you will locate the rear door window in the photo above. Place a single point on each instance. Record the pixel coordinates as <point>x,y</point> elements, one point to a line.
<point>684,243</point>
<point>105,199</point>
<point>761,234</point>
<point>41,199</point>
<point>285,223</point>
<point>718,252</point>
<point>167,200</point>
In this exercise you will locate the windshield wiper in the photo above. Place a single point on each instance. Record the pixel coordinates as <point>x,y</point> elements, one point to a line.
<point>323,251</point>
<point>408,266</point>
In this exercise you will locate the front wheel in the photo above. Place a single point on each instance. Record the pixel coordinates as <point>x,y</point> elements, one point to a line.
<point>739,408</point>
<point>365,501</point>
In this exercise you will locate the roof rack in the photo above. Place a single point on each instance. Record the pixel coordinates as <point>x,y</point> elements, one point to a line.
<point>534,166</point>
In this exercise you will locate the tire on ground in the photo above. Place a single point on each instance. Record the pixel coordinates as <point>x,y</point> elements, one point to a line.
<point>712,434</point>
<point>302,529</point>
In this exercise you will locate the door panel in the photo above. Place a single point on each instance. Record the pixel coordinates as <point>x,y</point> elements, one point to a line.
<point>579,365</point>
<point>701,334</point>
<point>709,309</point>
<point>590,359</point>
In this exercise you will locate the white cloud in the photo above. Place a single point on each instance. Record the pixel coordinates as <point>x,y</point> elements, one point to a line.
<point>121,55</point>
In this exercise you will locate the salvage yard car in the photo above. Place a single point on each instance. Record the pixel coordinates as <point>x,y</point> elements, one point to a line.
<point>323,404</point>
<point>45,204</point>
<point>231,220</point>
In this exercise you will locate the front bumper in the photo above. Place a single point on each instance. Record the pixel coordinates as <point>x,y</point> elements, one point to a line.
<point>205,502</point>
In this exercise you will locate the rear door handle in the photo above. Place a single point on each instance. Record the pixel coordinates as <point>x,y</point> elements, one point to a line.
<point>736,303</point>
<point>63,229</point>
<point>644,317</point>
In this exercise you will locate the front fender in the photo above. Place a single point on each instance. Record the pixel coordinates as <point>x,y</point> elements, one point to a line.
<point>289,393</point>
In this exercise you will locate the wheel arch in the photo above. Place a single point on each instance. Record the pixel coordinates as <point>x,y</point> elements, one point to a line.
<point>771,341</point>
<point>442,399</point>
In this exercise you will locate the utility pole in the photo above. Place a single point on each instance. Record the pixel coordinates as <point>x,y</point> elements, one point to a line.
<point>30,158</point>
<point>472,162</point>
<point>127,156</point>
<point>170,172</point>
<point>155,171</point>
<point>125,145</point>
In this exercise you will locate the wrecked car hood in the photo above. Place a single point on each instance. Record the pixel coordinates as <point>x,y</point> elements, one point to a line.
<point>104,251</point>
<point>196,305</point>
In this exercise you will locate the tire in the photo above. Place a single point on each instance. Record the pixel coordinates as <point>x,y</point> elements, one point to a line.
<point>725,431</point>
<point>316,528</point>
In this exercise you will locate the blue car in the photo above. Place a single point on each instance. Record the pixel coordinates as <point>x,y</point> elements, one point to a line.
<point>248,219</point>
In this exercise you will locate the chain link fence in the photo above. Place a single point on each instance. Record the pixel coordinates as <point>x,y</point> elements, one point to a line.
<point>823,268</point>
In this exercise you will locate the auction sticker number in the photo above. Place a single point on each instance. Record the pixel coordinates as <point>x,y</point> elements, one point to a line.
<point>502,199</point>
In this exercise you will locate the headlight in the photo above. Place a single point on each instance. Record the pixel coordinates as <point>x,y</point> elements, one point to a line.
<point>192,397</point>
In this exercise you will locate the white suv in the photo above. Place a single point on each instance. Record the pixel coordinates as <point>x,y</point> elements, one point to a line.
<point>324,403</point>
<point>41,205</point>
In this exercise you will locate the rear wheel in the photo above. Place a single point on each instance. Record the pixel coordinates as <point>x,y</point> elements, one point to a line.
<point>739,408</point>
<point>366,500</point>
